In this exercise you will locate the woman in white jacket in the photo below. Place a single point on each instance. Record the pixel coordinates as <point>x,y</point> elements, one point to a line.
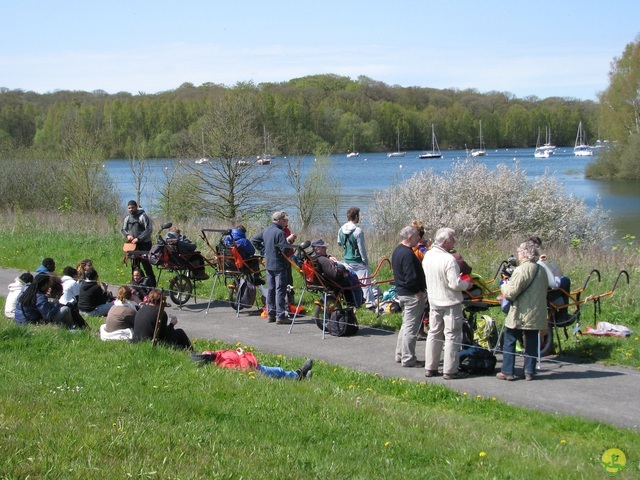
<point>14,292</point>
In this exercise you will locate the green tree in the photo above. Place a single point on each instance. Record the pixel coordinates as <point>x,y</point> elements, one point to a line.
<point>620,117</point>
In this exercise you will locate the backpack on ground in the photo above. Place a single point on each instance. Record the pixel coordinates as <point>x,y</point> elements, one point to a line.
<point>342,323</point>
<point>486,334</point>
<point>246,294</point>
<point>476,360</point>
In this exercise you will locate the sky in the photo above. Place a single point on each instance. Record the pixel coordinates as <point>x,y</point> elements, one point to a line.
<point>561,48</point>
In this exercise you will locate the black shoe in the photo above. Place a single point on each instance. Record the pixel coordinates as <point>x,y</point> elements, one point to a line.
<point>272,319</point>
<point>284,321</point>
<point>305,369</point>
<point>202,358</point>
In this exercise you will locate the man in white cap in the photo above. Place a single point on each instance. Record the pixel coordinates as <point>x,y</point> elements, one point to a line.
<point>267,242</point>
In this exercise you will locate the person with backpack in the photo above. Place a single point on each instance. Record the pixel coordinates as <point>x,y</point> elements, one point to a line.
<point>351,238</point>
<point>410,284</point>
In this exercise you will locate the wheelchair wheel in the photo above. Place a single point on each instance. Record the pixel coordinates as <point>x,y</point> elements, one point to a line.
<point>546,342</point>
<point>180,289</point>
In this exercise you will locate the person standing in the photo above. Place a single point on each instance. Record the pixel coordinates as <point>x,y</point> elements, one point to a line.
<point>269,242</point>
<point>137,228</point>
<point>444,290</point>
<point>409,279</point>
<point>527,289</point>
<point>351,238</point>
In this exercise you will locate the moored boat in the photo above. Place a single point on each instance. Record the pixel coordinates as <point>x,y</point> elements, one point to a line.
<point>435,149</point>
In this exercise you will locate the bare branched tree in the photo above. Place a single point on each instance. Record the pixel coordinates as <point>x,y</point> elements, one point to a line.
<point>316,191</point>
<point>139,165</point>
<point>229,183</point>
<point>86,182</point>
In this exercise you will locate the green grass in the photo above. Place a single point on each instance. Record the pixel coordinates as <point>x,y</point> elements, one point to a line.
<point>74,407</point>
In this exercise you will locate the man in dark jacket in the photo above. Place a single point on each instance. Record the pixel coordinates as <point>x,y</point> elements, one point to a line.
<point>267,243</point>
<point>137,228</point>
<point>408,276</point>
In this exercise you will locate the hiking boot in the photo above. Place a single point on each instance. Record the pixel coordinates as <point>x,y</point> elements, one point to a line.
<point>528,376</point>
<point>305,369</point>
<point>504,376</point>
<point>455,376</point>
<point>283,321</point>
<point>432,373</point>
<point>272,318</point>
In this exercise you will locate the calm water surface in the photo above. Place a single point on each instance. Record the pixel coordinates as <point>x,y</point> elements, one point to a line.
<point>367,173</point>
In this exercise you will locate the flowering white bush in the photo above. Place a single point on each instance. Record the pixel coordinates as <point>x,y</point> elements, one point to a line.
<point>482,204</point>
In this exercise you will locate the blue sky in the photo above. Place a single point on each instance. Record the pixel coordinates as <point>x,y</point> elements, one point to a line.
<point>545,48</point>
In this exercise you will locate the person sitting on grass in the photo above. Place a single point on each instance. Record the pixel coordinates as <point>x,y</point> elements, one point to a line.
<point>94,299</point>
<point>48,267</point>
<point>15,289</point>
<point>82,267</point>
<point>139,285</point>
<point>123,312</point>
<point>144,324</point>
<point>241,360</point>
<point>70,287</point>
<point>34,306</point>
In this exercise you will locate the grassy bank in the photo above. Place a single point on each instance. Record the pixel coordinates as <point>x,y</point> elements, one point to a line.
<point>74,407</point>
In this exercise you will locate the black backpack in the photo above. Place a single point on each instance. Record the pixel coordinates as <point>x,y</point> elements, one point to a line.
<point>246,294</point>
<point>478,361</point>
<point>342,323</point>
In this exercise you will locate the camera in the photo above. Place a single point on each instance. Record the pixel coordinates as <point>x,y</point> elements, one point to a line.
<point>510,264</point>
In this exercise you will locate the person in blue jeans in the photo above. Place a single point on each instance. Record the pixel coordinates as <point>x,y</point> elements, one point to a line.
<point>527,289</point>
<point>241,360</point>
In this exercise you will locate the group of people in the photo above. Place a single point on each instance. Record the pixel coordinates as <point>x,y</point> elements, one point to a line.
<point>275,241</point>
<point>439,276</point>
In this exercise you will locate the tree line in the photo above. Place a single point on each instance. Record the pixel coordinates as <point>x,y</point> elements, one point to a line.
<point>320,112</point>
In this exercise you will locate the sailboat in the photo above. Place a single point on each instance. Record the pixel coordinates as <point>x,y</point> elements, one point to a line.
<point>479,152</point>
<point>202,160</point>
<point>435,150</point>
<point>547,144</point>
<point>353,152</point>
<point>397,153</point>
<point>581,148</point>
<point>540,152</point>
<point>266,157</point>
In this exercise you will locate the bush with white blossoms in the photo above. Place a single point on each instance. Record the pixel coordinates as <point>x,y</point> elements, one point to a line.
<point>486,204</point>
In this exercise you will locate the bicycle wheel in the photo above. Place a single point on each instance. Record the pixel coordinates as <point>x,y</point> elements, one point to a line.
<point>180,288</point>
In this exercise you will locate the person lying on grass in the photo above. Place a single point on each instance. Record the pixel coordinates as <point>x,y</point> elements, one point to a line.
<point>239,359</point>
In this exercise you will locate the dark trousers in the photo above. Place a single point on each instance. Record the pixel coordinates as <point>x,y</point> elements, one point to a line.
<point>146,266</point>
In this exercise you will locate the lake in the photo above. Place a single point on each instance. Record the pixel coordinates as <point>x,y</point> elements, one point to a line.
<point>375,171</point>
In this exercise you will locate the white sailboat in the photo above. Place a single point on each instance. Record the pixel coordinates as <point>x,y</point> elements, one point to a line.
<point>266,157</point>
<point>397,153</point>
<point>547,144</point>
<point>581,149</point>
<point>540,152</point>
<point>435,149</point>
<point>479,152</point>
<point>353,152</point>
<point>202,160</point>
